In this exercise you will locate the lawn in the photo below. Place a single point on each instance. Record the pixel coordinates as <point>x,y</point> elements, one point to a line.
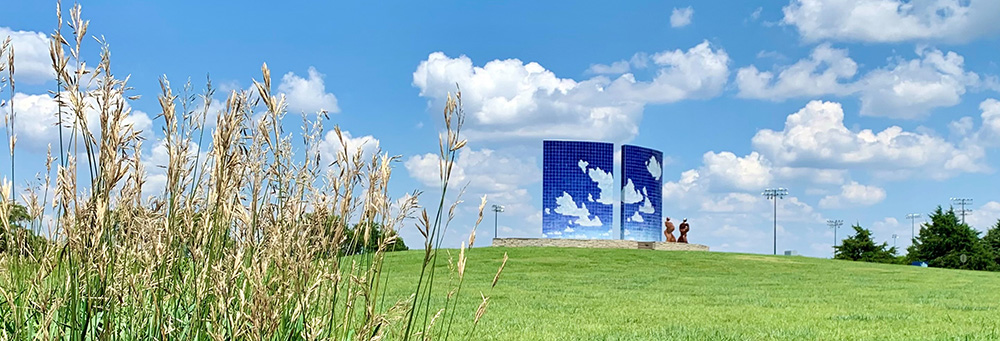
<point>604,294</point>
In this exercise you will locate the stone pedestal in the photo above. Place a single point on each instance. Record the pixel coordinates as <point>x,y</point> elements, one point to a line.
<point>597,244</point>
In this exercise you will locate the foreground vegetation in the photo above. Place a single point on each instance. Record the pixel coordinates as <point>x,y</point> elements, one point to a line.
<point>253,235</point>
<point>601,294</point>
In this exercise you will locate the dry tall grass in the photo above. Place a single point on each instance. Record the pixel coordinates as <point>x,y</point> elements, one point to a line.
<point>245,240</point>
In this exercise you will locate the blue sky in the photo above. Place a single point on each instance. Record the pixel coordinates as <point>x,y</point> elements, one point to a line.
<point>866,109</point>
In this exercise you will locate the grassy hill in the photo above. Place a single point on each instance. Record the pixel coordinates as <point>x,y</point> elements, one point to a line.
<point>595,294</point>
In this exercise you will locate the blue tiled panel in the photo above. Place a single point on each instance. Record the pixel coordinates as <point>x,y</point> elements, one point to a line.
<point>577,189</point>
<point>642,186</point>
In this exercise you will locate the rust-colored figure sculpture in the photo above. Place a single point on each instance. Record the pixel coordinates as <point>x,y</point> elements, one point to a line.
<point>669,231</point>
<point>684,231</point>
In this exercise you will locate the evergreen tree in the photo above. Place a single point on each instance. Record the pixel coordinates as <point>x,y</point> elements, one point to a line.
<point>992,241</point>
<point>861,247</point>
<point>942,243</point>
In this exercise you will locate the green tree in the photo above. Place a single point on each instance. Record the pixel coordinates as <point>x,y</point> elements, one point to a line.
<point>992,241</point>
<point>945,240</point>
<point>19,232</point>
<point>355,241</point>
<point>861,247</point>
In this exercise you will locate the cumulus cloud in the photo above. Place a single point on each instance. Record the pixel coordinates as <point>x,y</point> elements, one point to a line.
<point>501,175</point>
<point>903,89</point>
<point>854,194</point>
<point>822,73</point>
<point>887,21</point>
<point>615,68</point>
<point>988,134</point>
<point>816,137</point>
<point>751,172</point>
<point>155,163</point>
<point>36,122</point>
<point>681,17</point>
<point>912,88</point>
<point>31,55</point>
<point>510,100</point>
<point>984,217</point>
<point>483,169</point>
<point>307,95</point>
<point>331,146</point>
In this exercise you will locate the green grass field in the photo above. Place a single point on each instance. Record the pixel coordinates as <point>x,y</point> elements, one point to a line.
<point>600,294</point>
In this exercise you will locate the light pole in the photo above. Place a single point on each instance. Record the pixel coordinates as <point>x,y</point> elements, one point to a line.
<point>496,213</point>
<point>912,217</point>
<point>775,194</point>
<point>835,224</point>
<point>962,202</point>
<point>894,240</point>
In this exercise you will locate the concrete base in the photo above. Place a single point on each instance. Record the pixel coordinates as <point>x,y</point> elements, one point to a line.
<point>597,243</point>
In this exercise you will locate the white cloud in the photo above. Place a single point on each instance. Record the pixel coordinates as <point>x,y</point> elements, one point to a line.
<point>155,164</point>
<point>814,175</point>
<point>331,146</point>
<point>816,137</point>
<point>912,88</point>
<point>677,190</point>
<point>36,128</point>
<point>888,21</point>
<point>630,194</point>
<point>501,175</point>
<point>31,56</point>
<point>988,134</point>
<point>732,202</point>
<point>307,95</point>
<point>984,217</point>
<point>583,165</point>
<point>883,230</point>
<point>854,194</point>
<point>636,217</point>
<point>903,89</point>
<point>964,125</point>
<point>615,68</point>
<point>751,172</point>
<point>820,74</point>
<point>681,17</point>
<point>485,169</point>
<point>654,168</point>
<point>509,100</point>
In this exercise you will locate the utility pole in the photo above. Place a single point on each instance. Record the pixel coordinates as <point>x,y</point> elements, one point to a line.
<point>496,212</point>
<point>775,194</point>
<point>835,224</point>
<point>912,217</point>
<point>961,202</point>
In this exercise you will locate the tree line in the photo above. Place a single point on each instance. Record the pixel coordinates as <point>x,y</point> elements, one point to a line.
<point>358,239</point>
<point>943,242</point>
